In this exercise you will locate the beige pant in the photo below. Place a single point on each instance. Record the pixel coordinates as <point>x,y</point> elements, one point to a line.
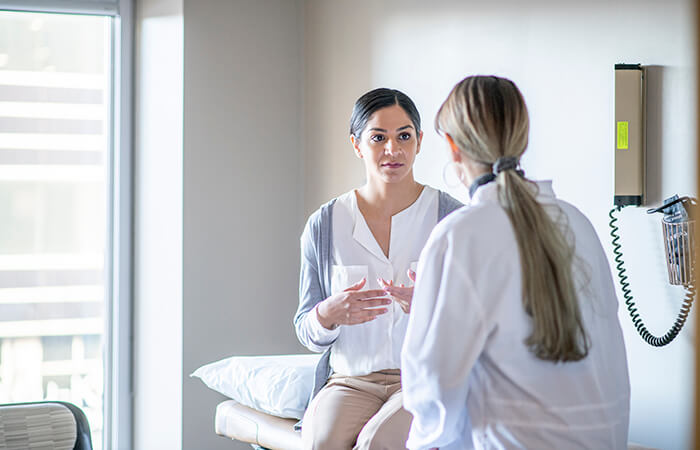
<point>361,413</point>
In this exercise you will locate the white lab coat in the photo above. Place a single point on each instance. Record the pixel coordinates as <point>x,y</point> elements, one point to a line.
<point>467,376</point>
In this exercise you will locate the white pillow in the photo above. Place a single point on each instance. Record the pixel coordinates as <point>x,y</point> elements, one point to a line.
<point>279,385</point>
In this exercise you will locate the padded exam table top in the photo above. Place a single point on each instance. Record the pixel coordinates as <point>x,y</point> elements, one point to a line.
<point>244,424</point>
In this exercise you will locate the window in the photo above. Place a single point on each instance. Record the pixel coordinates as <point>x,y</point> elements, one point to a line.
<point>62,207</point>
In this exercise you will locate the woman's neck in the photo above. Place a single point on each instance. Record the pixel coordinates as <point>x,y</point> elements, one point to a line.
<point>473,170</point>
<point>387,199</point>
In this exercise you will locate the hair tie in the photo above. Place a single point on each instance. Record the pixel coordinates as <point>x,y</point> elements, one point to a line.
<point>503,164</point>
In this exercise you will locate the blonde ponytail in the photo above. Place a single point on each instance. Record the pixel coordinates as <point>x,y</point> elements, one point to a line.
<point>488,120</point>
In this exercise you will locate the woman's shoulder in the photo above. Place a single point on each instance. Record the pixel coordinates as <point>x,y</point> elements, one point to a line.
<point>321,214</point>
<point>447,204</point>
<point>470,220</point>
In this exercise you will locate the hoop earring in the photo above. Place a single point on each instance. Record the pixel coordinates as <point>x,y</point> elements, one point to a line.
<point>457,171</point>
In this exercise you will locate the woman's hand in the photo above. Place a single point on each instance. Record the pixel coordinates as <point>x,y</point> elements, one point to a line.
<point>352,306</point>
<point>402,295</point>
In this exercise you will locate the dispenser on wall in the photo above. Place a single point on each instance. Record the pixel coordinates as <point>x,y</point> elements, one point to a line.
<point>678,222</point>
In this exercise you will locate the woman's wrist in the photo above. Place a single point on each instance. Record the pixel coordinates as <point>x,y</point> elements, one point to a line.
<point>324,320</point>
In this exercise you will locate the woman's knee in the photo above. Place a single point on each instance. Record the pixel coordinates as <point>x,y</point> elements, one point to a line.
<point>380,440</point>
<point>324,431</point>
<point>326,438</point>
<point>385,433</point>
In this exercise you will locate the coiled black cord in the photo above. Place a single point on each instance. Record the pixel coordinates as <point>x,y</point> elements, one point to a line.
<point>627,293</point>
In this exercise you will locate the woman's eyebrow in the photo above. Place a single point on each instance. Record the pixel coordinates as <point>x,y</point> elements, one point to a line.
<point>382,130</point>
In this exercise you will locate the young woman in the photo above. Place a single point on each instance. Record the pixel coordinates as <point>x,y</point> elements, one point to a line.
<point>357,249</point>
<point>513,339</point>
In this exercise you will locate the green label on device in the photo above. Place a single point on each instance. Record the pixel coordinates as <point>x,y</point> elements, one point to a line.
<point>623,135</point>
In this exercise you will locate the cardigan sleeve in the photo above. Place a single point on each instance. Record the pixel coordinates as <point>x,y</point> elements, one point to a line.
<point>309,330</point>
<point>447,204</point>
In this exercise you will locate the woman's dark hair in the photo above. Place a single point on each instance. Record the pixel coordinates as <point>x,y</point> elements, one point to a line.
<point>377,99</point>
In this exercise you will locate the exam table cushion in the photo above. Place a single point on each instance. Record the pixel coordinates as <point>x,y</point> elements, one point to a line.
<point>241,423</point>
<point>279,385</point>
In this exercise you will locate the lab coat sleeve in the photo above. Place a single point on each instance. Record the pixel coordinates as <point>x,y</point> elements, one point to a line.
<point>446,333</point>
<point>309,330</point>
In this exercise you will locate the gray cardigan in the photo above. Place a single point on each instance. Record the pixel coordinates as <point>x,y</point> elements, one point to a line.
<point>315,274</point>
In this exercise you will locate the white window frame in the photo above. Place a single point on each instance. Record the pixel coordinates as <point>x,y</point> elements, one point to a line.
<point>118,394</point>
<point>99,7</point>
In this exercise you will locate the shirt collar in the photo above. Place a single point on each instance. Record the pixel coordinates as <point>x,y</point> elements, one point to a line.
<point>361,232</point>
<point>363,235</point>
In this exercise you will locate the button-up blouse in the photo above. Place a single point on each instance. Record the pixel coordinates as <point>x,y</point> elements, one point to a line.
<point>376,345</point>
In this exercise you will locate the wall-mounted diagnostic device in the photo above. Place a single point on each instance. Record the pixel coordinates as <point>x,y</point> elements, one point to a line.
<point>630,158</point>
<point>678,222</point>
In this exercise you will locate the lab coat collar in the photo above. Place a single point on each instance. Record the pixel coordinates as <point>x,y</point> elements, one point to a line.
<point>488,193</point>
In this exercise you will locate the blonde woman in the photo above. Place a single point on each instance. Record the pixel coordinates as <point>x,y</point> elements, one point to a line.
<point>513,339</point>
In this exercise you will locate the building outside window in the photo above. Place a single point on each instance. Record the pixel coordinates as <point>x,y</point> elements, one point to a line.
<point>56,182</point>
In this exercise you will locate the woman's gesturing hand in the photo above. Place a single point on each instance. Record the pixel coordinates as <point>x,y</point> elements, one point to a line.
<point>352,306</point>
<point>402,295</point>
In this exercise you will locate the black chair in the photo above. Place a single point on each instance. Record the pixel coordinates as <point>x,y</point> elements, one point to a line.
<point>55,425</point>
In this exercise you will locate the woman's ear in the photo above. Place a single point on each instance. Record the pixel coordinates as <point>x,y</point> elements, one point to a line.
<point>455,152</point>
<point>356,146</point>
<point>420,139</point>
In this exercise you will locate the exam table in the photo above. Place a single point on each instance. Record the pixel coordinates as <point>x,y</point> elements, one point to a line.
<point>244,424</point>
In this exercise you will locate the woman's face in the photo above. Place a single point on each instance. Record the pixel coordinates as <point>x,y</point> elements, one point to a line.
<point>388,145</point>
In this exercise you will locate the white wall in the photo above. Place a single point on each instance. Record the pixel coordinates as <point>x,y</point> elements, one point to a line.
<point>158,226</point>
<point>242,191</point>
<point>562,55</point>
<point>254,165</point>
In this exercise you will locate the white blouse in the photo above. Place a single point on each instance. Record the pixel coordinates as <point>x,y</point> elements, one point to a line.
<point>467,376</point>
<point>375,345</point>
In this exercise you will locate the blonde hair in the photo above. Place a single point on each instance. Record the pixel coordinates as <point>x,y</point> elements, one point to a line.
<point>487,119</point>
